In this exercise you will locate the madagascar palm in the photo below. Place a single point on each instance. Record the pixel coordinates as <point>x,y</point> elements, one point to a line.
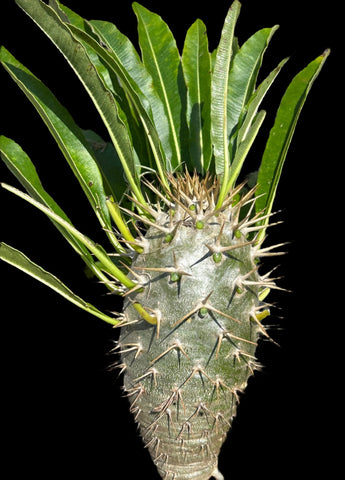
<point>184,231</point>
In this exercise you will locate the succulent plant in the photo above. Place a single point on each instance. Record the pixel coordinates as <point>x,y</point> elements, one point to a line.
<point>184,229</point>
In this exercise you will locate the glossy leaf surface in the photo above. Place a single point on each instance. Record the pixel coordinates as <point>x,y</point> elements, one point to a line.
<point>17,259</point>
<point>102,97</point>
<point>219,96</point>
<point>281,134</point>
<point>162,60</point>
<point>67,134</point>
<point>196,62</point>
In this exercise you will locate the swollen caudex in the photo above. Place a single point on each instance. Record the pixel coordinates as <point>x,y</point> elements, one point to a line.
<point>188,348</point>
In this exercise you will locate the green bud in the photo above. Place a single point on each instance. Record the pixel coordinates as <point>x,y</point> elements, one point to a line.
<point>217,256</point>
<point>168,238</point>
<point>175,277</point>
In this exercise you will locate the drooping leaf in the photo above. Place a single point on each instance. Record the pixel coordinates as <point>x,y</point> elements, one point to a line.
<point>67,134</point>
<point>219,96</point>
<point>17,259</point>
<point>107,264</point>
<point>281,134</point>
<point>102,97</point>
<point>23,169</point>
<point>196,63</point>
<point>162,60</point>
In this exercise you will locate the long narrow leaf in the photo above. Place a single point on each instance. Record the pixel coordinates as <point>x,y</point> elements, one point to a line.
<point>162,60</point>
<point>109,164</point>
<point>137,98</point>
<point>120,66</point>
<point>96,250</point>
<point>244,148</point>
<point>67,134</point>
<point>76,55</point>
<point>131,63</point>
<point>219,95</point>
<point>23,169</point>
<point>281,134</point>
<point>196,63</point>
<point>242,77</point>
<point>255,101</point>
<point>17,259</point>
<point>68,16</point>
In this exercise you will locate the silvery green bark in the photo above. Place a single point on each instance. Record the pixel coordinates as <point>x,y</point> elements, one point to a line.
<point>183,376</point>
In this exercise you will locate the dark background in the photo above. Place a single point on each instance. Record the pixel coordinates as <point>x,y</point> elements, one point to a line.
<point>62,411</point>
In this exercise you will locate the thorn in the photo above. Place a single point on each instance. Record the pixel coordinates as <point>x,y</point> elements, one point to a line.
<point>170,270</point>
<point>210,307</point>
<point>121,366</point>
<point>129,347</point>
<point>162,408</point>
<point>227,334</point>
<point>151,372</point>
<point>266,252</point>
<point>132,290</point>
<point>189,314</point>
<point>138,391</point>
<point>130,270</point>
<point>176,345</point>
<point>257,228</point>
<point>170,420</point>
<point>148,209</point>
<point>195,370</point>
<point>220,384</point>
<point>185,426</point>
<point>254,317</point>
<point>221,417</point>
<point>199,305</point>
<point>158,193</point>
<point>146,220</point>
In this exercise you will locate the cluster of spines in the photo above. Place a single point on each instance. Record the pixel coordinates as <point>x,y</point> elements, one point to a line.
<point>183,433</point>
<point>189,201</point>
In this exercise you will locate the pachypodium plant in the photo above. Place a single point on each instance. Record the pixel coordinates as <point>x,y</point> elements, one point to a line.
<point>184,231</point>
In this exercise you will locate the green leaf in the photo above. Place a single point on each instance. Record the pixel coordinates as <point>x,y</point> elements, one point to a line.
<point>162,60</point>
<point>281,134</point>
<point>242,78</point>
<point>23,169</point>
<point>17,259</point>
<point>255,102</point>
<point>67,134</point>
<point>219,96</point>
<point>68,16</point>
<point>109,164</point>
<point>131,63</point>
<point>102,97</point>
<point>137,99</point>
<point>108,265</point>
<point>244,148</point>
<point>196,63</point>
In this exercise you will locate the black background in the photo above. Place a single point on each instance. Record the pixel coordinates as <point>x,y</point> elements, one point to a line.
<point>62,411</point>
